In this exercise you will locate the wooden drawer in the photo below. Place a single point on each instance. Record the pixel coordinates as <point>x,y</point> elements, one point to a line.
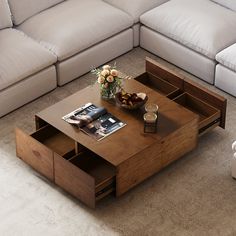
<point>38,149</point>
<point>209,116</point>
<point>86,176</point>
<point>164,73</point>
<point>210,106</point>
<point>209,97</point>
<point>156,83</point>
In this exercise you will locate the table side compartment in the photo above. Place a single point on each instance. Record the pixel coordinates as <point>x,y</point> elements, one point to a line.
<point>54,139</point>
<point>164,73</point>
<point>95,166</point>
<point>208,115</point>
<point>34,153</point>
<point>159,85</point>
<point>209,97</point>
<point>39,123</point>
<point>190,87</point>
<point>85,175</point>
<point>74,180</point>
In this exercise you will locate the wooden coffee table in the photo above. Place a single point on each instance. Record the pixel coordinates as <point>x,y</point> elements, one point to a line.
<point>90,169</point>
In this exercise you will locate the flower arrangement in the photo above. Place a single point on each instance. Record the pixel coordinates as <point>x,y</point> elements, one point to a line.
<point>108,80</point>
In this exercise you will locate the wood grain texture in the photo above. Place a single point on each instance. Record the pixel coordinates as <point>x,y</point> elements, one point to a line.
<point>34,153</point>
<point>207,96</point>
<point>129,156</point>
<point>156,157</point>
<point>54,140</point>
<point>179,142</point>
<point>138,168</point>
<point>165,73</point>
<point>94,166</point>
<point>186,85</point>
<point>131,134</point>
<point>159,85</point>
<point>39,123</point>
<point>75,181</point>
<point>207,113</point>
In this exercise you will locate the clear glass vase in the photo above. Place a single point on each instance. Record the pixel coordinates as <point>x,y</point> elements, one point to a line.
<point>109,92</point>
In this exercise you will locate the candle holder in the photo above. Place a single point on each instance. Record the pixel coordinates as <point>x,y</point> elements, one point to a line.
<point>150,122</point>
<point>151,107</point>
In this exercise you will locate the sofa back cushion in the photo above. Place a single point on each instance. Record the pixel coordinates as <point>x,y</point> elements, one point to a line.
<point>5,15</point>
<point>231,4</point>
<point>24,9</point>
<point>136,8</point>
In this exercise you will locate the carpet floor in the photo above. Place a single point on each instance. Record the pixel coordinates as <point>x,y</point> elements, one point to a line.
<point>194,196</point>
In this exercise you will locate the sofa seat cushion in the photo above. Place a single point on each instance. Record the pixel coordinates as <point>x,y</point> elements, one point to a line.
<point>227,57</point>
<point>135,8</point>
<point>24,9</point>
<point>231,4</point>
<point>74,26</point>
<point>201,25</point>
<point>20,57</point>
<point>5,15</point>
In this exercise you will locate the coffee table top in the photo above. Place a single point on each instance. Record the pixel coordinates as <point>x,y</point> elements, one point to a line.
<point>129,140</point>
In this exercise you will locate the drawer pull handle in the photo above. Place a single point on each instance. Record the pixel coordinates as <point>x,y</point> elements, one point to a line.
<point>37,154</point>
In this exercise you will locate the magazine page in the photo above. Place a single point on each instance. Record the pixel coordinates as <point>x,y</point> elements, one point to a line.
<point>103,126</point>
<point>84,115</point>
<point>94,121</point>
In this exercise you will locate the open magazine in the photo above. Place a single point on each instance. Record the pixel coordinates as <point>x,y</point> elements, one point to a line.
<point>94,121</point>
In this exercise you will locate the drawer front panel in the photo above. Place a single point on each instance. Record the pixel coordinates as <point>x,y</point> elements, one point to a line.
<point>138,168</point>
<point>209,97</point>
<point>165,73</point>
<point>208,115</point>
<point>34,153</point>
<point>179,143</point>
<point>74,180</point>
<point>190,87</point>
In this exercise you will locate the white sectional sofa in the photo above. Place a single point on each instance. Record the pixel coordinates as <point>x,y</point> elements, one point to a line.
<point>189,34</point>
<point>26,68</point>
<point>225,77</point>
<point>51,42</point>
<point>45,43</point>
<point>135,8</point>
<point>77,31</point>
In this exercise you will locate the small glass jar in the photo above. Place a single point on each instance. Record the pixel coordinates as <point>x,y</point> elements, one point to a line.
<point>151,108</point>
<point>150,122</point>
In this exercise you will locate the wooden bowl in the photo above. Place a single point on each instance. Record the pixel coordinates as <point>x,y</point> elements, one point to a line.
<point>131,104</point>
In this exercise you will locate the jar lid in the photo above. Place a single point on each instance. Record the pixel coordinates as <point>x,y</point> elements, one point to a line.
<point>151,107</point>
<point>150,117</point>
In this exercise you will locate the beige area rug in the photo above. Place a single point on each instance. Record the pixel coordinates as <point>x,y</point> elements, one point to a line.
<point>194,196</point>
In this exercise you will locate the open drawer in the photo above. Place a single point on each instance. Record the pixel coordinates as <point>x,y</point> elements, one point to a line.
<point>38,149</point>
<point>56,156</point>
<point>209,116</point>
<point>156,83</point>
<point>214,103</point>
<point>86,176</point>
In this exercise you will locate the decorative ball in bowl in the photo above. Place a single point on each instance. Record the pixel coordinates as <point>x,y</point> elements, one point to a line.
<point>131,101</point>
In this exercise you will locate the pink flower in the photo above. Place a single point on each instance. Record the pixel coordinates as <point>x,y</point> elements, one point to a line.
<point>114,72</point>
<point>101,79</point>
<point>106,67</point>
<point>104,73</point>
<point>110,78</point>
